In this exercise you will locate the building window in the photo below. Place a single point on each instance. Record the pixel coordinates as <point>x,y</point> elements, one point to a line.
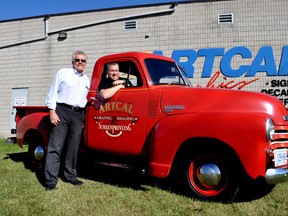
<point>225,18</point>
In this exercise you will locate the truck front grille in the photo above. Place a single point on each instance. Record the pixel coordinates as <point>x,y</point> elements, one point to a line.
<point>280,141</point>
<point>280,138</point>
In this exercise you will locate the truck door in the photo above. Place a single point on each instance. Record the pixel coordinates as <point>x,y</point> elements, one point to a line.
<point>119,124</point>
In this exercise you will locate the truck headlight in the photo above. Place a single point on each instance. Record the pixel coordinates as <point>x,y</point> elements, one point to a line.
<point>270,130</point>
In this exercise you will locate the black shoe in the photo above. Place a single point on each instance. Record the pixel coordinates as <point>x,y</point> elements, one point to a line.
<point>76,182</point>
<point>50,188</point>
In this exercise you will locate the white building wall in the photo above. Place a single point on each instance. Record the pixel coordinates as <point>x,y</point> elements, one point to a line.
<point>193,25</point>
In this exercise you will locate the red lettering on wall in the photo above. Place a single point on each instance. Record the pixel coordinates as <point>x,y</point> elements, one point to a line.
<point>227,85</point>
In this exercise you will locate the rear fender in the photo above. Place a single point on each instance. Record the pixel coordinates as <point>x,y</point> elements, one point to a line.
<point>33,123</point>
<point>243,132</point>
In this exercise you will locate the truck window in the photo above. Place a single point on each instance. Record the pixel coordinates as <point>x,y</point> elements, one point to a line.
<point>127,71</point>
<point>162,72</point>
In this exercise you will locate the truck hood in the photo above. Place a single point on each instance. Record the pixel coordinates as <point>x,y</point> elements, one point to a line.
<point>180,100</point>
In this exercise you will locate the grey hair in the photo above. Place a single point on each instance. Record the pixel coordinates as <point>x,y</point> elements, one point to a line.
<point>78,52</point>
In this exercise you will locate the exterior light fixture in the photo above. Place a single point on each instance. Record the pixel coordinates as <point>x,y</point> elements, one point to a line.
<point>62,35</point>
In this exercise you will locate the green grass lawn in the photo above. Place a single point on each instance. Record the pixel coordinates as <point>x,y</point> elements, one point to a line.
<point>112,192</point>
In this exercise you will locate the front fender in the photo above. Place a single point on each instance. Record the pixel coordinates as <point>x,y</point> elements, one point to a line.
<point>39,122</point>
<point>243,132</point>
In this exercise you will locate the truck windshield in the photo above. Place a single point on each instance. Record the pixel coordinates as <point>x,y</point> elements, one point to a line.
<point>164,72</point>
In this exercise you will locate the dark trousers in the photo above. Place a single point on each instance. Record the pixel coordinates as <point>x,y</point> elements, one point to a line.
<point>63,145</point>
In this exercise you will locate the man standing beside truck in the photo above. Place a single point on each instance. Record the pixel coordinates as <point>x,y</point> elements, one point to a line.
<point>66,101</point>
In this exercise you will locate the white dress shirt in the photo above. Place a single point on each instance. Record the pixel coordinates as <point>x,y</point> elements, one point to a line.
<point>69,87</point>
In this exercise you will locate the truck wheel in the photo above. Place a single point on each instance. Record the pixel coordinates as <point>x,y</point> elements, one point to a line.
<point>36,153</point>
<point>209,177</point>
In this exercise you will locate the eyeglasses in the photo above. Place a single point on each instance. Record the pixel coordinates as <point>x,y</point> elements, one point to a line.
<point>80,60</point>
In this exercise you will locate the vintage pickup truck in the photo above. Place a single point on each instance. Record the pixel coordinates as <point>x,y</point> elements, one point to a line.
<point>209,139</point>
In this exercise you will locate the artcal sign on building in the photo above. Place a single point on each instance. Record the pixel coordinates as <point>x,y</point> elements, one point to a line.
<point>234,65</point>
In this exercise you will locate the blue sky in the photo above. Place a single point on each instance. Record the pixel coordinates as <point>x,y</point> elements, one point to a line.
<point>14,9</point>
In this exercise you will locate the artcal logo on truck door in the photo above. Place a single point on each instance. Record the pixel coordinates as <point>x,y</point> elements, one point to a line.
<point>115,117</point>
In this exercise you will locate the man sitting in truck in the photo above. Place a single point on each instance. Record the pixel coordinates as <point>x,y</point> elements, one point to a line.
<point>112,82</point>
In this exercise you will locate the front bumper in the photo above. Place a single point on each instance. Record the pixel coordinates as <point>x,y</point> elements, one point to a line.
<point>276,175</point>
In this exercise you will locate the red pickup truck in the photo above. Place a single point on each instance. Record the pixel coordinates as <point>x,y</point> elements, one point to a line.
<point>209,139</point>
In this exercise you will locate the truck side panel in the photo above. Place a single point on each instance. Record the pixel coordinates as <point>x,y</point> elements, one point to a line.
<point>232,129</point>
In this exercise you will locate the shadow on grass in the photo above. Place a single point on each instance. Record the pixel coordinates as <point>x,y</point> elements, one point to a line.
<point>91,171</point>
<point>129,179</point>
<point>23,157</point>
<point>114,176</point>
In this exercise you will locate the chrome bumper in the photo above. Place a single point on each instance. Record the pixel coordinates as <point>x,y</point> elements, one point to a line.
<point>276,176</point>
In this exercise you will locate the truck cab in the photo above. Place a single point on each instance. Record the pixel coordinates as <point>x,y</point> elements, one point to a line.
<point>125,121</point>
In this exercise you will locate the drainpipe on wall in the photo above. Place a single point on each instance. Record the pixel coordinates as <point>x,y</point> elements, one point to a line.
<point>31,40</point>
<point>46,26</point>
<point>47,33</point>
<point>170,10</point>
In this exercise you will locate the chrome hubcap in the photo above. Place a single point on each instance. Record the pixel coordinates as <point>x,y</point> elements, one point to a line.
<point>39,153</point>
<point>209,174</point>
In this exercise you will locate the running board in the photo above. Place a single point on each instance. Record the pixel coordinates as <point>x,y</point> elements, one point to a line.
<point>122,166</point>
